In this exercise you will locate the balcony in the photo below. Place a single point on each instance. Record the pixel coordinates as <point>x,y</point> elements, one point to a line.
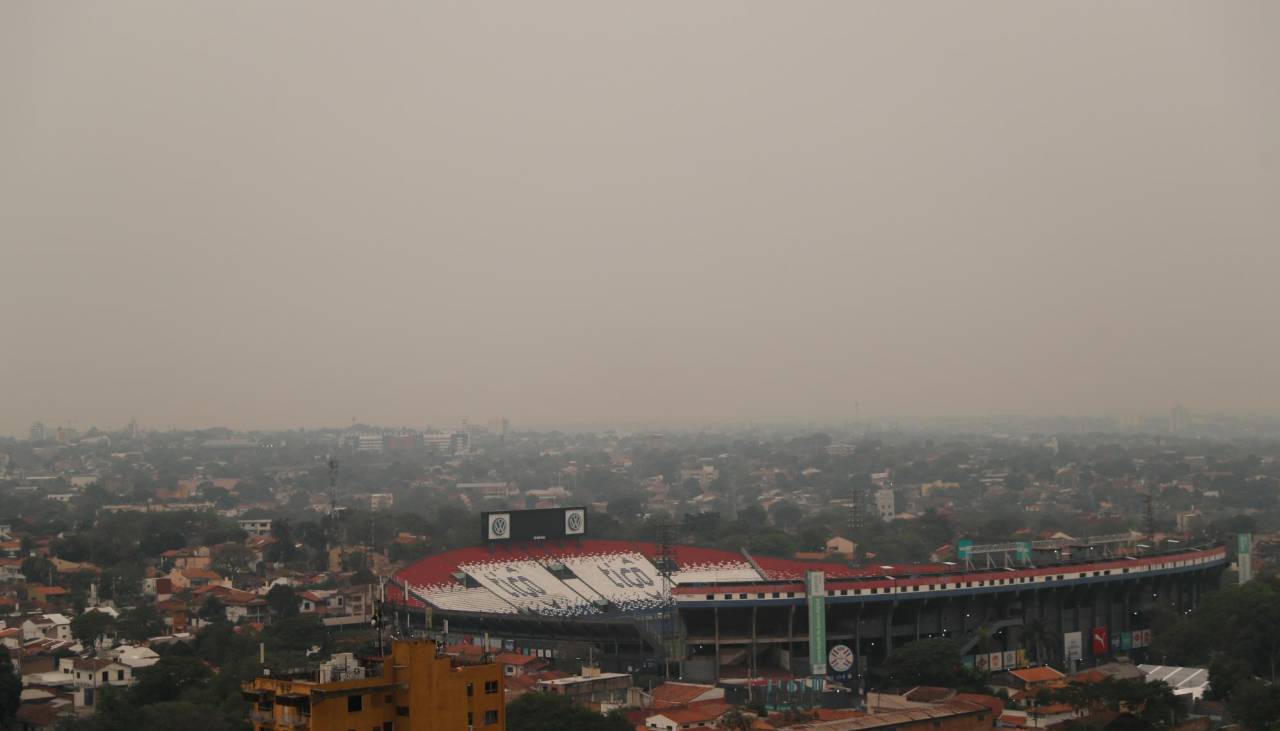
<point>286,719</point>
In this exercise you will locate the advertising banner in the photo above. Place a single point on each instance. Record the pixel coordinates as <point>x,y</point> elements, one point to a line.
<point>983,661</point>
<point>1244,557</point>
<point>499,526</point>
<point>1115,641</point>
<point>575,522</point>
<point>997,661</point>
<point>1010,659</point>
<point>1126,640</point>
<point>1024,551</point>
<point>1072,646</point>
<point>840,662</point>
<point>1022,657</point>
<point>967,660</point>
<point>1100,644</point>
<point>815,587</point>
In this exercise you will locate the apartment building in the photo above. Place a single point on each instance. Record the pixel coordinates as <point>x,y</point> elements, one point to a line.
<point>415,688</point>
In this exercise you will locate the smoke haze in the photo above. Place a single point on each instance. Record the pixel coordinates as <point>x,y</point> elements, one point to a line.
<point>295,213</point>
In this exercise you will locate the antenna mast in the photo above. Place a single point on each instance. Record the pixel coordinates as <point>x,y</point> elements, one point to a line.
<point>333,501</point>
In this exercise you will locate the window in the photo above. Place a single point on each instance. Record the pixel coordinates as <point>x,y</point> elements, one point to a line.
<point>389,726</point>
<point>402,710</point>
<point>490,686</point>
<point>471,689</point>
<point>490,718</point>
<point>104,676</point>
<point>470,718</point>
<point>355,703</point>
<point>386,699</point>
<point>119,675</point>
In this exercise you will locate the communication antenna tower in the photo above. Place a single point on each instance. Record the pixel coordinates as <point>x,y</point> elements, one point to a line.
<point>667,613</point>
<point>1149,516</point>
<point>333,501</point>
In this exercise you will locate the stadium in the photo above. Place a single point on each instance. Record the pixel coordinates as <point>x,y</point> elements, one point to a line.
<point>538,585</point>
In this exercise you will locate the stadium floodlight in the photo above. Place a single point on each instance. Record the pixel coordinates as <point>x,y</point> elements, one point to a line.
<point>1172,540</point>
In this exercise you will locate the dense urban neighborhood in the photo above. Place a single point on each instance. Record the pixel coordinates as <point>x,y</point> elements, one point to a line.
<point>148,578</point>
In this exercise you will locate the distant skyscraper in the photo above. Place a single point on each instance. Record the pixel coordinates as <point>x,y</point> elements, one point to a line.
<point>884,504</point>
<point>38,433</point>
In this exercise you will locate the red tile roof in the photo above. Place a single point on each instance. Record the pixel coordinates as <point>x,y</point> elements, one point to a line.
<point>1041,674</point>
<point>669,694</point>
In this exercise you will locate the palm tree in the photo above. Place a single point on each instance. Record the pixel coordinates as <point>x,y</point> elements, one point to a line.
<point>1040,636</point>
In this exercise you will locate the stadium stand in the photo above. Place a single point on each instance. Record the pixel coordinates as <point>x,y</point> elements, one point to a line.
<point>619,577</point>
<point>528,586</point>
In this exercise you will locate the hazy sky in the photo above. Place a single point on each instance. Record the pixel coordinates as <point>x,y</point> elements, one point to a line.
<point>295,213</point>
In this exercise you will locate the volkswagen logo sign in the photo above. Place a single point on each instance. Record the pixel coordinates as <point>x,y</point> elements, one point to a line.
<point>575,521</point>
<point>498,527</point>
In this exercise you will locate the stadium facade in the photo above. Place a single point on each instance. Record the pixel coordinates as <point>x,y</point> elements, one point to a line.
<point>713,615</point>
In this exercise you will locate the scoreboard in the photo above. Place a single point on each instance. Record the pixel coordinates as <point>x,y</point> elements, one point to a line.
<point>533,525</point>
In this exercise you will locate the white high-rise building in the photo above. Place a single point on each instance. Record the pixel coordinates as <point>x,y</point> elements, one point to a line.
<point>884,504</point>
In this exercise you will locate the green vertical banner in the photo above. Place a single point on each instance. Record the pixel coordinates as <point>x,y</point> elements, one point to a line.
<point>1244,556</point>
<point>815,588</point>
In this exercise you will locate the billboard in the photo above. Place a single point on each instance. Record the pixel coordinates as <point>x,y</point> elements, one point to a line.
<point>533,525</point>
<point>815,590</point>
<point>996,662</point>
<point>1010,659</point>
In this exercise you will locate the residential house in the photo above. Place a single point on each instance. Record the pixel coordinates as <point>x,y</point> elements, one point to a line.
<point>697,715</point>
<point>92,674</point>
<point>49,626</point>
<point>196,557</point>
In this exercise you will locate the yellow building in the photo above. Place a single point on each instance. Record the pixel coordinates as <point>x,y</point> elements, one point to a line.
<point>412,689</point>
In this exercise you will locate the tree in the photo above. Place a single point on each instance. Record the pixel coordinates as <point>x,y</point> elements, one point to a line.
<point>1255,704</point>
<point>1040,636</point>
<point>168,679</point>
<point>37,569</point>
<point>736,720</point>
<point>10,690</point>
<point>283,601</point>
<point>213,610</point>
<point>551,712</point>
<point>232,559</point>
<point>92,626</point>
<point>140,623</point>
<point>295,634</point>
<point>786,514</point>
<point>926,662</point>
